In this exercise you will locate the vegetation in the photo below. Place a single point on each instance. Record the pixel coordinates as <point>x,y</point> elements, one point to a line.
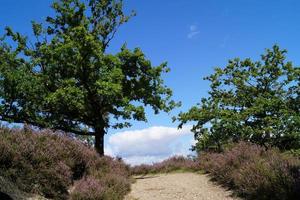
<point>252,101</point>
<point>255,102</point>
<point>173,164</point>
<point>58,167</point>
<point>255,173</point>
<point>65,80</point>
<point>250,170</point>
<point>9,191</point>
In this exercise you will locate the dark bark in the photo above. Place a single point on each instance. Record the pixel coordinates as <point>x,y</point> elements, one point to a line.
<point>99,141</point>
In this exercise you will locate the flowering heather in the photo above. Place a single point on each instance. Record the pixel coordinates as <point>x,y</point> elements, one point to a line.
<point>48,164</point>
<point>88,188</point>
<point>250,170</point>
<point>255,173</point>
<point>175,163</point>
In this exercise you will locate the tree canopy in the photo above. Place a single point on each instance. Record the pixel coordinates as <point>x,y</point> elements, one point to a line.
<point>253,101</point>
<point>64,79</point>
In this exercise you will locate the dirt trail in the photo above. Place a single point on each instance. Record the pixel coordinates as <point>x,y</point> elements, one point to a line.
<point>177,186</point>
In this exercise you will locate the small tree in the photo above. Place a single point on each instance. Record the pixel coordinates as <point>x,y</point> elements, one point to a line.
<point>252,101</point>
<point>65,80</point>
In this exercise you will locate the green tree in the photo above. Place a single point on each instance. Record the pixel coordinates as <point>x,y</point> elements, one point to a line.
<point>65,80</point>
<point>252,101</point>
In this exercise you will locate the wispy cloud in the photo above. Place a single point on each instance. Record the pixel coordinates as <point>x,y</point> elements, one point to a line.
<point>149,145</point>
<point>193,31</point>
<point>224,43</point>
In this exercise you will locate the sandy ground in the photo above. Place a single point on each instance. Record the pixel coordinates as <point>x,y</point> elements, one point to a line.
<point>177,186</point>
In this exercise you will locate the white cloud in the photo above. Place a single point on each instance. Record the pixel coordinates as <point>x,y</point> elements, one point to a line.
<point>150,145</point>
<point>137,160</point>
<point>193,32</point>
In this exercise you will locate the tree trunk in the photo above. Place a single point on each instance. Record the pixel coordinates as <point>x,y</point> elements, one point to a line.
<point>99,141</point>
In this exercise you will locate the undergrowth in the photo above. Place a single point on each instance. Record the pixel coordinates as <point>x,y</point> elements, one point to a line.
<point>59,167</point>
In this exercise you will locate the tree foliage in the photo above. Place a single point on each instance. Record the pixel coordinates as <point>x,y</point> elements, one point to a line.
<point>252,101</point>
<point>66,80</point>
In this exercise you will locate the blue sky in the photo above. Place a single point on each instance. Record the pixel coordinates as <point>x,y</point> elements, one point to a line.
<point>193,36</point>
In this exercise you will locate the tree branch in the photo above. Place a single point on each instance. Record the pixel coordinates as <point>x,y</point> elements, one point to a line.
<point>65,129</point>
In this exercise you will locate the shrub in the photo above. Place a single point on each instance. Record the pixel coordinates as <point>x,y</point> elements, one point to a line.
<point>109,175</point>
<point>141,169</point>
<point>175,163</point>
<point>117,186</point>
<point>88,188</point>
<point>293,152</point>
<point>8,190</point>
<point>270,177</point>
<point>222,166</point>
<point>255,173</point>
<point>48,164</point>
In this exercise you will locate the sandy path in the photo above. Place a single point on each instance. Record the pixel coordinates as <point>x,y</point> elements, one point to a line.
<point>177,186</point>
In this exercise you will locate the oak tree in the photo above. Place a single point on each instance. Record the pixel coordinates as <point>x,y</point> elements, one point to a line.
<point>63,78</point>
<point>253,101</point>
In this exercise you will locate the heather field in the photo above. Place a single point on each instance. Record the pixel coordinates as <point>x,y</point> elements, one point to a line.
<point>249,170</point>
<point>54,166</point>
<point>58,167</point>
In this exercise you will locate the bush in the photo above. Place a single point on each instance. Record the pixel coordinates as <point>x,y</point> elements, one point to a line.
<point>109,187</point>
<point>270,177</point>
<point>176,163</point>
<point>142,169</point>
<point>117,186</point>
<point>222,166</point>
<point>48,164</point>
<point>293,152</point>
<point>8,190</point>
<point>88,188</point>
<point>255,173</point>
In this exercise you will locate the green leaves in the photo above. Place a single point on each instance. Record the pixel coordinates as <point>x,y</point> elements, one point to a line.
<point>65,79</point>
<point>37,28</point>
<point>253,101</point>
